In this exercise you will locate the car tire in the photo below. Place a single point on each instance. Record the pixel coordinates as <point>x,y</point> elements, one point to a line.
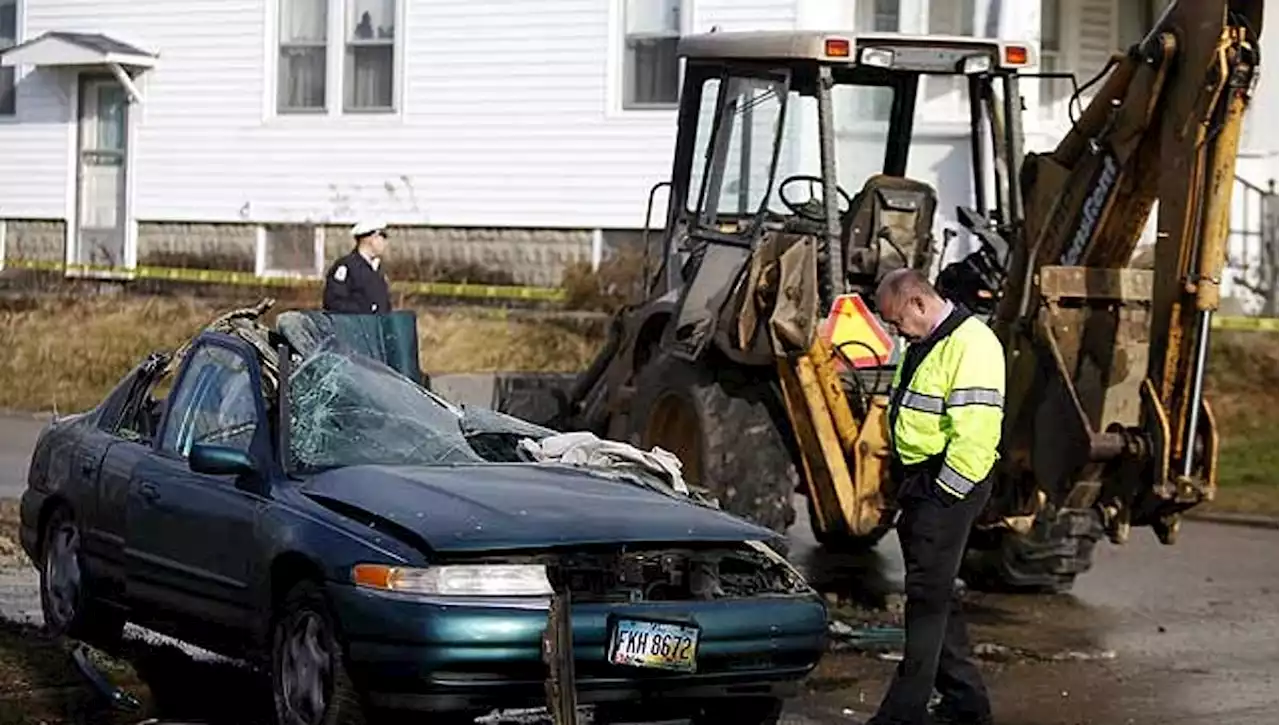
<point>66,600</point>
<point>310,684</point>
<point>739,711</point>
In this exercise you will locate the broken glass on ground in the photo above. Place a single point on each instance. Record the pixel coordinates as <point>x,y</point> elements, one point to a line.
<point>115,696</point>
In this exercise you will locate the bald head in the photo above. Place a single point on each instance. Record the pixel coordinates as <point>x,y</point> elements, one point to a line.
<point>908,302</point>
<point>905,282</point>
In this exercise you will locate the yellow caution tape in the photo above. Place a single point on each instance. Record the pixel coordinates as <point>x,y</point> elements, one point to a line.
<point>1258,324</point>
<point>429,289</point>
<point>229,277</point>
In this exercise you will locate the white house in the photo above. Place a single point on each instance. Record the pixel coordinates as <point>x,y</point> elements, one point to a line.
<point>510,134</point>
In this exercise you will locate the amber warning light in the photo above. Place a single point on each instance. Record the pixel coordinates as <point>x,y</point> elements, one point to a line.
<point>1015,55</point>
<point>837,47</point>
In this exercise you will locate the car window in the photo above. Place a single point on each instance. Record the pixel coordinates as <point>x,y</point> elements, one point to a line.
<point>141,418</point>
<point>215,403</point>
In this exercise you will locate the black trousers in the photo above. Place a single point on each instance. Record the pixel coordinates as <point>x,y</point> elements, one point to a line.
<point>934,529</point>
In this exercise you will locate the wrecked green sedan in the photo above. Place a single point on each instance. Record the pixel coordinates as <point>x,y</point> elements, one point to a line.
<point>297,499</point>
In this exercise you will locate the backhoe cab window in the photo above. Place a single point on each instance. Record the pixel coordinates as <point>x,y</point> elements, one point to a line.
<point>734,150</point>
<point>861,130</point>
<point>733,175</point>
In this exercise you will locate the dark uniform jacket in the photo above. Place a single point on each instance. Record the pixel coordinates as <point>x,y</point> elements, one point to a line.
<point>353,286</point>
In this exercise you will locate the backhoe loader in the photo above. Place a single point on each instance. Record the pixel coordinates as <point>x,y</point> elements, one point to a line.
<point>789,200</point>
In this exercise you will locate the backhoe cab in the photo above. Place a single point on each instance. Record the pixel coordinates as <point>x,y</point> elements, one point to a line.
<point>788,190</point>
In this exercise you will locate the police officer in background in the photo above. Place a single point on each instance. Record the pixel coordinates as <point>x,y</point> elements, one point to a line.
<point>355,283</point>
<point>946,409</point>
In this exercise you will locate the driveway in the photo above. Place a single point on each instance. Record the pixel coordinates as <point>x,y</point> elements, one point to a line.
<point>17,438</point>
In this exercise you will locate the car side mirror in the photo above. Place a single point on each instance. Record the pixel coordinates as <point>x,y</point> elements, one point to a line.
<point>221,461</point>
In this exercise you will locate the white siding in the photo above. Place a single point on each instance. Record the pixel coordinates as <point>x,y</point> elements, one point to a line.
<point>34,151</point>
<point>511,118</point>
<point>35,147</point>
<point>731,15</point>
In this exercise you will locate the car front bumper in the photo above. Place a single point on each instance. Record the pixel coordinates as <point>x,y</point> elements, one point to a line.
<point>434,655</point>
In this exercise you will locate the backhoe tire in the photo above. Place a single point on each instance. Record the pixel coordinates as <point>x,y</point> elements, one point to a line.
<point>727,430</point>
<point>1045,560</point>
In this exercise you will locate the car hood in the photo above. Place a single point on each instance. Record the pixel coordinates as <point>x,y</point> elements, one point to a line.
<point>488,506</point>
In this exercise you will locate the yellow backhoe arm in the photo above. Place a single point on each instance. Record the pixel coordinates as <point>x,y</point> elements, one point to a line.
<point>1110,361</point>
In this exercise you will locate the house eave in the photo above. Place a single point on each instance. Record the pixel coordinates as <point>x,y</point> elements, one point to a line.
<point>48,50</point>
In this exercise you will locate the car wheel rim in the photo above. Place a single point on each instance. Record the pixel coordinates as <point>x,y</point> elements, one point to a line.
<point>62,574</point>
<point>305,672</point>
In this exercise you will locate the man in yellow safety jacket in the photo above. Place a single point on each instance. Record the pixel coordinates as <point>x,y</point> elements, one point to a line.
<point>945,414</point>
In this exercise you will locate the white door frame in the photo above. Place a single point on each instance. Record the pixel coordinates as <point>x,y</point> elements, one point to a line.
<point>81,95</point>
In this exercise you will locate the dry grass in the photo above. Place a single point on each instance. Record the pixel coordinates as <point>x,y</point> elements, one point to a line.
<point>66,354</point>
<point>472,341</point>
<point>619,281</point>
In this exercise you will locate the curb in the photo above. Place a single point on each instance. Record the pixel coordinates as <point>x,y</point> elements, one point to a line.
<point>43,415</point>
<point>1255,521</point>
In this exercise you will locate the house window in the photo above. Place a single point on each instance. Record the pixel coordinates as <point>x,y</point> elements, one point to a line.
<point>651,67</point>
<point>304,40</point>
<point>361,32</point>
<point>8,74</point>
<point>886,16</point>
<point>1135,20</point>
<point>1054,92</point>
<point>371,55</point>
<point>946,97</point>
<point>876,16</point>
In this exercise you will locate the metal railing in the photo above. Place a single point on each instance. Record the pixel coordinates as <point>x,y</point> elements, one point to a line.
<point>1251,273</point>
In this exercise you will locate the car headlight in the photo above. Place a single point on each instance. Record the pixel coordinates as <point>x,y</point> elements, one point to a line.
<point>479,580</point>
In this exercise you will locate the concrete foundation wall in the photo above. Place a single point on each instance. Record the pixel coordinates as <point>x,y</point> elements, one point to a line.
<point>516,256</point>
<point>534,257</point>
<point>36,240</point>
<point>197,246</point>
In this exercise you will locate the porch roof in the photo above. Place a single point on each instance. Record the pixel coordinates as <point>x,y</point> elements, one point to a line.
<point>61,48</point>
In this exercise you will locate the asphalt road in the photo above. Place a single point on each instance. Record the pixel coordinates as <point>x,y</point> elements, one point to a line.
<point>17,438</point>
<point>1152,635</point>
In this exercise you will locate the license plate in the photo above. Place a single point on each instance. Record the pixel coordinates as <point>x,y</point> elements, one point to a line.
<point>657,645</point>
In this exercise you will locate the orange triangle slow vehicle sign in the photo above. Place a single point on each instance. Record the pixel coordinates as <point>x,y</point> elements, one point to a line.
<point>853,330</point>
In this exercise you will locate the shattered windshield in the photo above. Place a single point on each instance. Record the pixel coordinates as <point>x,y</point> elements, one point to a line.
<point>347,408</point>
<point>350,410</point>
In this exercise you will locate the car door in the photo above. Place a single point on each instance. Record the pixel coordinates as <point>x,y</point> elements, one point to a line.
<point>88,460</point>
<point>128,426</point>
<point>190,536</point>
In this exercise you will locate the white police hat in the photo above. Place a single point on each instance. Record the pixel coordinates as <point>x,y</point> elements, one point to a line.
<point>365,227</point>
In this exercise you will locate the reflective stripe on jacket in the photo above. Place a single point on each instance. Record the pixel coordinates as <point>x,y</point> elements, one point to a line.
<point>952,407</point>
